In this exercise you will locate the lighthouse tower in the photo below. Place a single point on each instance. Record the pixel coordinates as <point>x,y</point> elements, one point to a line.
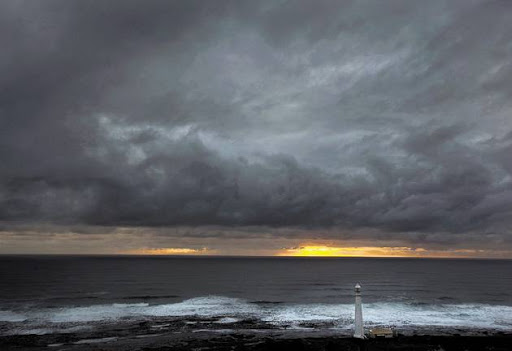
<point>358,323</point>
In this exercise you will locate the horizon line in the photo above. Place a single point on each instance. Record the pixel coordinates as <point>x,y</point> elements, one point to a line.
<point>250,256</point>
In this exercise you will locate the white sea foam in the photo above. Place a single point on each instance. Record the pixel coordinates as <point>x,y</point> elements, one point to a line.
<point>94,341</point>
<point>227,320</point>
<point>9,316</point>
<point>397,314</point>
<point>30,329</point>
<point>479,316</point>
<point>210,306</point>
<point>92,313</point>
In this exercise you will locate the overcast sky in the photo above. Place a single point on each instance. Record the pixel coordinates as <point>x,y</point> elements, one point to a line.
<point>255,125</point>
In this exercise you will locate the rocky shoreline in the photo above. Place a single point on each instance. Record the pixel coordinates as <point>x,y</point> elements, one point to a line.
<point>225,334</point>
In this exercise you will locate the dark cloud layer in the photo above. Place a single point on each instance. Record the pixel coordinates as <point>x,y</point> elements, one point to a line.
<point>393,116</point>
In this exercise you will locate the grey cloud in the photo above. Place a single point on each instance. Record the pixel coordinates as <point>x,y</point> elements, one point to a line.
<point>353,115</point>
<point>183,182</point>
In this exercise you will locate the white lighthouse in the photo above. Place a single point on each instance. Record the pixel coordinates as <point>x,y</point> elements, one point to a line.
<point>358,323</point>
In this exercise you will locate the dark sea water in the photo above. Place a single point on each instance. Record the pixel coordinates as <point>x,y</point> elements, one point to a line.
<point>44,294</point>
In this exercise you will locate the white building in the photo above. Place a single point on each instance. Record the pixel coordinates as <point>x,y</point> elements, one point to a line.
<point>358,322</point>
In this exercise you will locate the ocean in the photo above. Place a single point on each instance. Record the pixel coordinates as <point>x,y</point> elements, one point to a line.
<point>55,294</point>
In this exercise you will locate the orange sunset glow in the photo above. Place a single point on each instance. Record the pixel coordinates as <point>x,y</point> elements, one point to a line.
<point>374,251</point>
<point>169,251</point>
<point>316,250</point>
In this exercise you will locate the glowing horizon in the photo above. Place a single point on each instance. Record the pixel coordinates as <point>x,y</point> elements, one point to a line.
<point>387,251</point>
<point>321,251</point>
<point>170,251</point>
<point>128,241</point>
<point>362,251</point>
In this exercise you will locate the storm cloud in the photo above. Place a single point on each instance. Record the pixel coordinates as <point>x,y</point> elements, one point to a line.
<point>390,119</point>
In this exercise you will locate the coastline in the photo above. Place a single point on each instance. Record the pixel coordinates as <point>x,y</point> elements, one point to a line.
<point>251,335</point>
<point>256,342</point>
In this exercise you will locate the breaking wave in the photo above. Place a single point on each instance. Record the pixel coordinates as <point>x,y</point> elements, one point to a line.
<point>480,316</point>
